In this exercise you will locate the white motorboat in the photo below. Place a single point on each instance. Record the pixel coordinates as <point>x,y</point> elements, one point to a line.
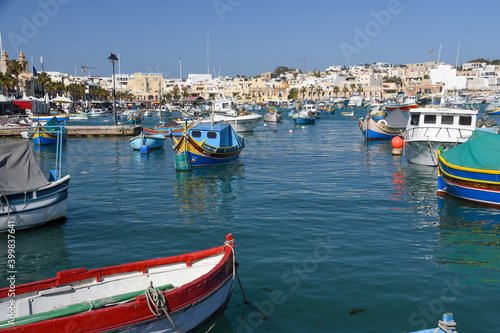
<point>430,128</point>
<point>223,112</point>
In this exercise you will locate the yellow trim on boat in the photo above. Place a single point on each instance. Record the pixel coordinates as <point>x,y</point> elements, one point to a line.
<point>493,172</point>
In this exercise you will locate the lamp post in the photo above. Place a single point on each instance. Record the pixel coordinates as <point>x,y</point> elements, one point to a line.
<point>113,59</point>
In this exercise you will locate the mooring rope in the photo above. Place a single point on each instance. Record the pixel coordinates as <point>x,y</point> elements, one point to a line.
<point>156,298</point>
<point>448,327</point>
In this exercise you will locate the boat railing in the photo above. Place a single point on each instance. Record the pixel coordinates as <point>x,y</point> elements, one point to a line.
<point>58,130</point>
<point>424,131</point>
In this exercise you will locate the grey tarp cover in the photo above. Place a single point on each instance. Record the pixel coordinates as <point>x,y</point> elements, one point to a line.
<point>19,170</point>
<point>396,119</point>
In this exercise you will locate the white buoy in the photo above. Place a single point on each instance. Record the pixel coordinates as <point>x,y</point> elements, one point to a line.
<point>290,131</point>
<point>303,127</point>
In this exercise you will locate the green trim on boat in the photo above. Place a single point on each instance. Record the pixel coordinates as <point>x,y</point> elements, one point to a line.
<point>76,308</point>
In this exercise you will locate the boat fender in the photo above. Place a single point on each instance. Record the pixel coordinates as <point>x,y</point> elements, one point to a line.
<point>382,121</point>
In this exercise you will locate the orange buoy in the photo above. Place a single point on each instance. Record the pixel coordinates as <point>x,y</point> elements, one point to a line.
<point>397,142</point>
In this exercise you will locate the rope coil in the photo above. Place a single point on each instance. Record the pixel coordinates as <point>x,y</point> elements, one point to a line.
<point>156,299</point>
<point>448,327</point>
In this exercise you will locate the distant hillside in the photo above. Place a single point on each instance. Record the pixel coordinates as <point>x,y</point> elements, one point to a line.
<point>489,62</point>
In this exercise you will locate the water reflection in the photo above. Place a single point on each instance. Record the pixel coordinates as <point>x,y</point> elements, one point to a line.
<point>40,253</point>
<point>469,239</point>
<point>209,193</point>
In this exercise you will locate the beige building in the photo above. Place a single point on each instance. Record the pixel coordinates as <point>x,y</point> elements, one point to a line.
<point>146,86</point>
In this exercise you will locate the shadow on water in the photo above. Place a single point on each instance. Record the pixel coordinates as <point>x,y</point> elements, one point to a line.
<point>209,193</point>
<point>39,253</point>
<point>468,240</point>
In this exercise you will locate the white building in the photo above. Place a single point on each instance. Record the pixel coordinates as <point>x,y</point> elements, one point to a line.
<point>447,75</point>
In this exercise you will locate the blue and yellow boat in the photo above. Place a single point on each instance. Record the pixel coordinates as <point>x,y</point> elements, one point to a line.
<point>49,133</point>
<point>471,170</point>
<point>206,144</point>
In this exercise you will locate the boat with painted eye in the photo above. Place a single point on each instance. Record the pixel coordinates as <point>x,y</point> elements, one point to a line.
<point>207,144</point>
<point>180,293</point>
<point>49,134</point>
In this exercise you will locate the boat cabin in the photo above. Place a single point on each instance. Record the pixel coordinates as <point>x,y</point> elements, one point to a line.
<point>217,135</point>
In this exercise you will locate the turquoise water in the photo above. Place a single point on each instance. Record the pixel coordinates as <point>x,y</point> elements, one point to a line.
<point>333,234</point>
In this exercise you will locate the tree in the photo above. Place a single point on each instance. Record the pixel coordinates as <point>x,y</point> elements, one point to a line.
<point>43,78</point>
<point>294,93</point>
<point>318,91</point>
<point>185,94</point>
<point>7,81</point>
<point>15,68</point>
<point>345,90</point>
<point>303,91</point>
<point>282,70</point>
<point>336,90</point>
<point>360,90</point>
<point>353,87</point>
<point>177,94</point>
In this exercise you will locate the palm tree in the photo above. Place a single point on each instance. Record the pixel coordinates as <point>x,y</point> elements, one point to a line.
<point>336,90</point>
<point>345,90</point>
<point>52,88</point>
<point>360,90</point>
<point>303,91</point>
<point>353,87</point>
<point>176,94</point>
<point>318,91</point>
<point>15,68</point>
<point>43,79</point>
<point>185,94</point>
<point>7,81</point>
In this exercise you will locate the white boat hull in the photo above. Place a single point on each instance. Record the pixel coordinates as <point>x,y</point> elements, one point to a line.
<point>238,123</point>
<point>34,212</point>
<point>189,320</point>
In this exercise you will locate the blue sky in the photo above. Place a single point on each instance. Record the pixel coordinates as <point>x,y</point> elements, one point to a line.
<point>247,37</point>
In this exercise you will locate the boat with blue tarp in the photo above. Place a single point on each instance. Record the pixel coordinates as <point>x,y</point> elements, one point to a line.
<point>471,170</point>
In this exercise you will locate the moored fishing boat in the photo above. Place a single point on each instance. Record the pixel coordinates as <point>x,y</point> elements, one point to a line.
<point>206,144</point>
<point>430,128</point>
<point>306,115</point>
<point>348,113</point>
<point>383,129</point>
<point>471,170</point>
<point>179,293</point>
<point>273,116</point>
<point>28,199</point>
<point>49,134</point>
<point>59,117</point>
<point>152,141</point>
<point>97,112</point>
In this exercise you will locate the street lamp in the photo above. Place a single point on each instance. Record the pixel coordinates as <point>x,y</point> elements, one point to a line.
<point>113,59</point>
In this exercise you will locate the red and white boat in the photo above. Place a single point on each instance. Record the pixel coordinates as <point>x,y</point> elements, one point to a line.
<point>409,102</point>
<point>196,288</point>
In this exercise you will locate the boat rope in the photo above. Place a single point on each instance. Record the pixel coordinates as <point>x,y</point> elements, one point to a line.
<point>448,327</point>
<point>156,298</point>
<point>8,208</point>
<point>235,273</point>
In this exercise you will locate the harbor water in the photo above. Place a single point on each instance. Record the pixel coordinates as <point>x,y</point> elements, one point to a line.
<point>333,234</point>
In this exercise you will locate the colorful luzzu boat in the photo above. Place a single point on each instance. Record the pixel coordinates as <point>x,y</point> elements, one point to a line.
<point>207,144</point>
<point>471,170</point>
<point>48,134</point>
<point>173,294</point>
<point>383,129</point>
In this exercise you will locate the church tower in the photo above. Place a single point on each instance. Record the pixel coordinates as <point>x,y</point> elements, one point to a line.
<point>24,63</point>
<point>5,61</point>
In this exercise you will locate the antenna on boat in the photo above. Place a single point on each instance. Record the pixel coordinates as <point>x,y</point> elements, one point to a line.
<point>458,50</point>
<point>439,57</point>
